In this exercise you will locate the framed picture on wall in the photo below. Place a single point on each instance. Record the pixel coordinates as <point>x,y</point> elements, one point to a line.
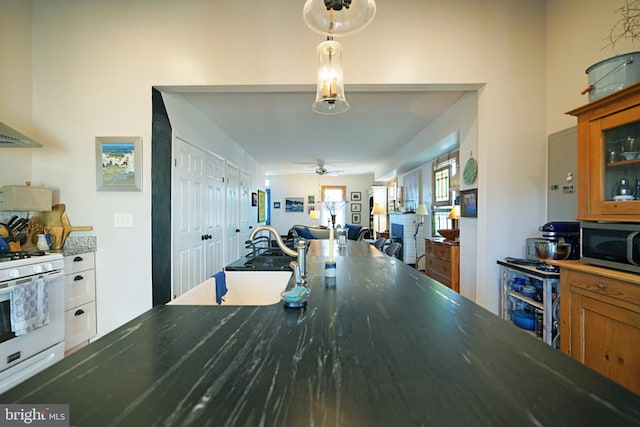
<point>276,205</point>
<point>294,204</point>
<point>469,203</point>
<point>355,218</point>
<point>356,207</point>
<point>262,211</point>
<point>254,199</point>
<point>356,196</point>
<point>119,163</point>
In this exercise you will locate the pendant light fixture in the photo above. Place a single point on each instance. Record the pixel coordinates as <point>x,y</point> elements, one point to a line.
<point>330,97</point>
<point>335,18</point>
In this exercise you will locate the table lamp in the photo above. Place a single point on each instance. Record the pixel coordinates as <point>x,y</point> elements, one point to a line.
<point>454,216</point>
<point>315,215</point>
<point>453,233</point>
<point>378,210</point>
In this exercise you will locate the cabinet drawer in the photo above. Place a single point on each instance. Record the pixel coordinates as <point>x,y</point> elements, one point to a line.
<point>440,267</point>
<point>79,288</point>
<point>80,262</point>
<point>605,286</point>
<point>428,247</point>
<point>445,279</point>
<point>438,250</point>
<point>80,323</point>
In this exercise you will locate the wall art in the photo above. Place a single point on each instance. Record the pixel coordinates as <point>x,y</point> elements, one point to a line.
<point>119,163</point>
<point>262,212</point>
<point>469,203</point>
<point>294,204</point>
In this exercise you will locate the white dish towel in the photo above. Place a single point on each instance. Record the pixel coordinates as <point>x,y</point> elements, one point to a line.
<point>29,306</point>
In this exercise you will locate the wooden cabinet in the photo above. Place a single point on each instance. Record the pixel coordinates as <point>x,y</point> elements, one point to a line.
<point>600,321</point>
<point>442,262</point>
<point>608,152</point>
<point>80,300</point>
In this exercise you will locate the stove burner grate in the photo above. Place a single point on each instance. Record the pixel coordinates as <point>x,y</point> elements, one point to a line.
<point>12,256</point>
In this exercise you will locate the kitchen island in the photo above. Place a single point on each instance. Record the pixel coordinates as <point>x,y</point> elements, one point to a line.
<point>388,346</point>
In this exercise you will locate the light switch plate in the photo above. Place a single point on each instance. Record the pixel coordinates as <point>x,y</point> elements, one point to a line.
<point>123,220</point>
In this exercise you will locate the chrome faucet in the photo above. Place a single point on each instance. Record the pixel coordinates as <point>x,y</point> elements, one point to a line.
<point>300,253</point>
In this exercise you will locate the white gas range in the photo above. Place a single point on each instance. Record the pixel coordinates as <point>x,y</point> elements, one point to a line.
<point>34,348</point>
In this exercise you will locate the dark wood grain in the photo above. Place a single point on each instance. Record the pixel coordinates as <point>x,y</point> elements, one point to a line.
<point>388,346</point>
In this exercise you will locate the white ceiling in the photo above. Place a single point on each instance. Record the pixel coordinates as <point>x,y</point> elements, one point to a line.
<point>277,126</point>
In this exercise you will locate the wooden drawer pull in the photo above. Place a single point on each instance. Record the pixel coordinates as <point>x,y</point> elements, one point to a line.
<point>79,312</point>
<point>602,285</point>
<point>78,278</point>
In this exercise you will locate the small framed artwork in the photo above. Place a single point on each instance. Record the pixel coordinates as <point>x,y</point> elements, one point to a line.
<point>119,163</point>
<point>254,199</point>
<point>294,204</point>
<point>356,207</point>
<point>355,218</point>
<point>356,196</point>
<point>262,211</point>
<point>276,205</point>
<point>311,200</point>
<point>469,203</point>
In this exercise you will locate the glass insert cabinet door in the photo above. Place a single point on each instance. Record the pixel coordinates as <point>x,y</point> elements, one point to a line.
<point>622,164</point>
<point>614,166</point>
<point>608,160</point>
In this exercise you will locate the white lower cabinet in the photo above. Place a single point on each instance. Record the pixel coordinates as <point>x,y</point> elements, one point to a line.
<point>80,300</point>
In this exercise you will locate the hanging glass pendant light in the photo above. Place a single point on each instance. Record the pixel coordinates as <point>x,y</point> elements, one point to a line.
<point>338,17</point>
<point>330,97</point>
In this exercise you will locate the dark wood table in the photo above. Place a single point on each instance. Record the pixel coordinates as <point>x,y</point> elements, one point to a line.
<point>388,346</point>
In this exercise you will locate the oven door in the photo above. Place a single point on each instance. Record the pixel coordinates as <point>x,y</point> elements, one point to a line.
<point>15,349</point>
<point>5,315</point>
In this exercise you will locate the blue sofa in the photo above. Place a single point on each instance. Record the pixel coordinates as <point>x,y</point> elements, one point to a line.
<point>354,232</point>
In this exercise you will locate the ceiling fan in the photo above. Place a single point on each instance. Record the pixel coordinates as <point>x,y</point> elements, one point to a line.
<point>322,169</point>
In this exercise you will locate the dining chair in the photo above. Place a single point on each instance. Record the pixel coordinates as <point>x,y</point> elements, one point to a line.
<point>393,249</point>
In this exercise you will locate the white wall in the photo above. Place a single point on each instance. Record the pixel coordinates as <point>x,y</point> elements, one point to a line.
<point>192,126</point>
<point>15,87</point>
<point>94,64</point>
<point>283,186</point>
<point>577,37</point>
<point>456,128</point>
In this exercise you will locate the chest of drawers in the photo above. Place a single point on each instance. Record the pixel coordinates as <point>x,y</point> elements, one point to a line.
<point>442,262</point>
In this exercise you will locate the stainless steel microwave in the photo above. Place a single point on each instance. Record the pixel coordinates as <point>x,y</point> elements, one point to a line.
<point>613,245</point>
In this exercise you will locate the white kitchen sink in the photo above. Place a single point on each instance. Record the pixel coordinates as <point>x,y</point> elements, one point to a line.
<point>244,288</point>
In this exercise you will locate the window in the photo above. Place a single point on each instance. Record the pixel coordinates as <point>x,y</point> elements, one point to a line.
<point>333,202</point>
<point>445,190</point>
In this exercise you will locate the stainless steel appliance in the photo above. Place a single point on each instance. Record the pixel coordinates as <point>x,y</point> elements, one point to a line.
<point>10,137</point>
<point>563,231</point>
<point>613,245</point>
<point>24,355</point>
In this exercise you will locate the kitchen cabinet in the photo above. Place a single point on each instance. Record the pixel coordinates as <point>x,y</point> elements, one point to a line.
<point>600,320</point>
<point>80,300</point>
<point>608,162</point>
<point>442,262</point>
<point>546,308</point>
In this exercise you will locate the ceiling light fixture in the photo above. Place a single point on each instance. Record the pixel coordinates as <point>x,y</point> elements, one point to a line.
<point>335,18</point>
<point>330,97</point>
